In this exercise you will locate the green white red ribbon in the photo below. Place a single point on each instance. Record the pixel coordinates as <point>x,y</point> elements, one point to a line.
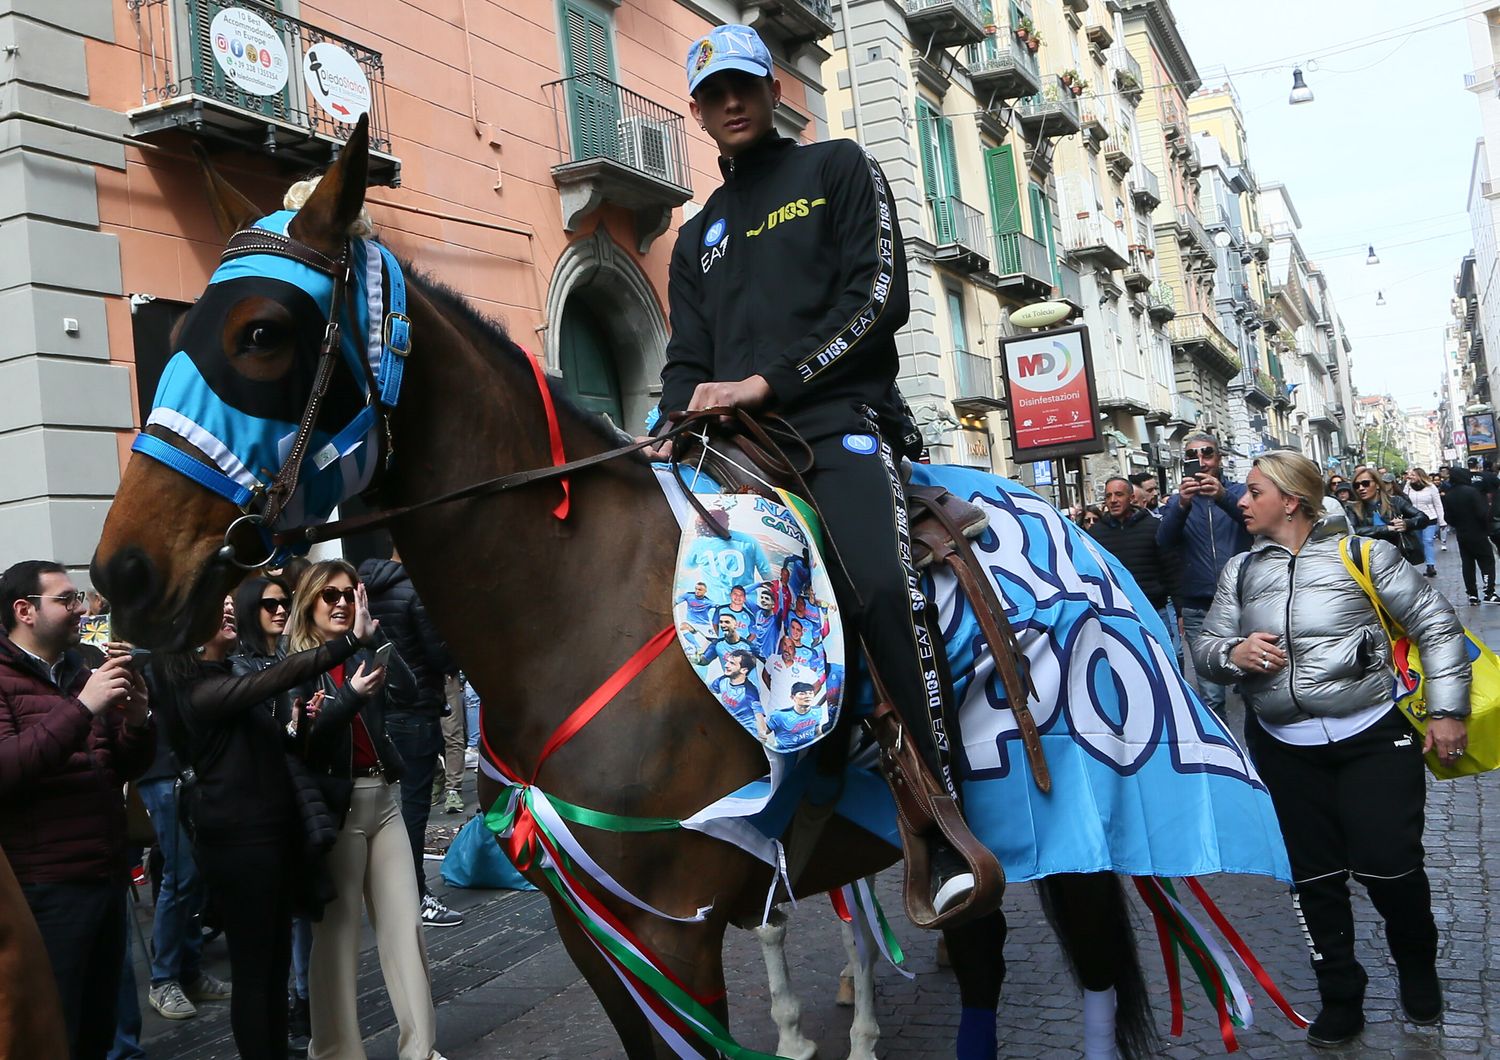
<point>856,905</point>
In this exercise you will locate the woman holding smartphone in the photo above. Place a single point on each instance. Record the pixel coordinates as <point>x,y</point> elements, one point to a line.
<point>229,732</point>
<point>371,863</point>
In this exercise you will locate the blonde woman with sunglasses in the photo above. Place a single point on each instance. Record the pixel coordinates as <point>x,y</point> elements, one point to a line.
<point>371,862</point>
<point>1386,515</point>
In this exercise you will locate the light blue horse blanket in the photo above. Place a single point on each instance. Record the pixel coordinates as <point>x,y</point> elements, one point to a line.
<point>1146,780</point>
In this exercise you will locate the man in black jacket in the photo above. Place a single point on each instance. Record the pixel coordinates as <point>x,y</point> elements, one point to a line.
<point>1130,535</point>
<point>787,291</point>
<point>1467,511</point>
<point>415,727</point>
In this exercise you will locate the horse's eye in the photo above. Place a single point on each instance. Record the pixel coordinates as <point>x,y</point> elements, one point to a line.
<point>261,335</point>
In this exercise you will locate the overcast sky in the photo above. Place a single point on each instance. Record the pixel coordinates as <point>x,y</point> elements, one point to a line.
<point>1382,155</point>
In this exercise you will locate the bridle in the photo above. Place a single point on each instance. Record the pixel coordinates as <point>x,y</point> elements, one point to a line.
<point>262,507</point>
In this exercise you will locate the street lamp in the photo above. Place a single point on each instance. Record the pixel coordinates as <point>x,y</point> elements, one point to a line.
<point>1374,258</point>
<point>1300,92</point>
<point>1380,298</point>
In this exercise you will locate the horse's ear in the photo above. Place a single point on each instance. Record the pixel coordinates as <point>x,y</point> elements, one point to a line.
<point>231,209</point>
<point>334,205</point>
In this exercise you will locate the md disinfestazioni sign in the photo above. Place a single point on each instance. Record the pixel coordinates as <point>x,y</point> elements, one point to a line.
<point>1050,397</point>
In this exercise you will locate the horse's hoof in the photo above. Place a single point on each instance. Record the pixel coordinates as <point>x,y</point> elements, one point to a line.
<point>846,992</point>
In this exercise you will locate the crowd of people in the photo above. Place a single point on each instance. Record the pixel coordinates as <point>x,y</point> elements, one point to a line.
<point>265,760</point>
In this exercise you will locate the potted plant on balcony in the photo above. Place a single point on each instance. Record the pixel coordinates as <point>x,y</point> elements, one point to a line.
<point>1025,28</point>
<point>1075,82</point>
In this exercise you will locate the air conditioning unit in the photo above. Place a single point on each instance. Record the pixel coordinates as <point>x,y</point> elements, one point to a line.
<point>646,145</point>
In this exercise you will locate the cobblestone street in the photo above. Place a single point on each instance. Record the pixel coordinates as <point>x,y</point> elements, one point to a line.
<point>505,987</point>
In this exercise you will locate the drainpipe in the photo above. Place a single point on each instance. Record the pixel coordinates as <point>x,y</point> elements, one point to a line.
<point>859,127</point>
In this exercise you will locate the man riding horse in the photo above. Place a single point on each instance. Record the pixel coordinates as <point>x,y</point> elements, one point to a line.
<point>786,292</point>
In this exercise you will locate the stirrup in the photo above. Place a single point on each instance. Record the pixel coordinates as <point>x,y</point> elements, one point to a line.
<point>923,810</point>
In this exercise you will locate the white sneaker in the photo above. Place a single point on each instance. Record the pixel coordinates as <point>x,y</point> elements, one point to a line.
<point>436,914</point>
<point>471,756</point>
<point>170,1002</point>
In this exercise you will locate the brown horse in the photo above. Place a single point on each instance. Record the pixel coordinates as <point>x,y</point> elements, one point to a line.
<point>556,622</point>
<point>565,603</point>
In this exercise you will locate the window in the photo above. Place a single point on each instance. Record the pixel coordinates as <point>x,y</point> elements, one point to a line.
<point>589,62</point>
<point>956,329</point>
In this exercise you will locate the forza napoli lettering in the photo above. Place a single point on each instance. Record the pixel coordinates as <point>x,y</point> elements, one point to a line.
<point>880,289</point>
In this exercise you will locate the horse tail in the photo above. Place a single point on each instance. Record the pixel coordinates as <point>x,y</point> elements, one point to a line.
<point>1091,919</point>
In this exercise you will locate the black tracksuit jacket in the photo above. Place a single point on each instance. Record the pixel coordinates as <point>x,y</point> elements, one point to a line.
<point>794,270</point>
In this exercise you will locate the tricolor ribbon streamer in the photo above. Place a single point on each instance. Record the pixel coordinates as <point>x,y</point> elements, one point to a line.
<point>1178,930</point>
<point>857,901</point>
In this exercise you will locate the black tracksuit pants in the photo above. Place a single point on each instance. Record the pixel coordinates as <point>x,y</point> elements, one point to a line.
<point>1472,552</point>
<point>1354,807</point>
<point>857,487</point>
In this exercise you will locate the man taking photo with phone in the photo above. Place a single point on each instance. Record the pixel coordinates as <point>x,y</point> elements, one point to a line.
<point>1203,522</point>
<point>70,738</point>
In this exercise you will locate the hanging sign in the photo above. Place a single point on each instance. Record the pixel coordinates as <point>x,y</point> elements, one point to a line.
<point>1049,389</point>
<point>249,51</point>
<point>336,82</point>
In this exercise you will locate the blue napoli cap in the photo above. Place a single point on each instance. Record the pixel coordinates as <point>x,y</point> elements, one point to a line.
<point>732,47</point>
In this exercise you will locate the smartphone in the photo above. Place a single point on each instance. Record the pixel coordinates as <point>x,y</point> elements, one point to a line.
<point>383,653</point>
<point>1192,468</point>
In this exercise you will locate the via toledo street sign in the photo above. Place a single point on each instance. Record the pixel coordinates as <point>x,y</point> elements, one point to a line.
<point>1040,314</point>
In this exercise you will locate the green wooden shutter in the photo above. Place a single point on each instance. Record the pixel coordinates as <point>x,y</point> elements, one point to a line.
<point>1041,224</point>
<point>1005,206</point>
<point>593,98</point>
<point>931,139</point>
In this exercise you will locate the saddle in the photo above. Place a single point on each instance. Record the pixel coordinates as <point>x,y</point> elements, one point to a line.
<point>755,460</point>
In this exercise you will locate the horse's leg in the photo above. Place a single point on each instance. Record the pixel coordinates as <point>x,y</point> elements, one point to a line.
<point>977,952</point>
<point>786,1009</point>
<point>845,997</point>
<point>1089,914</point>
<point>634,1030</point>
<point>864,1032</point>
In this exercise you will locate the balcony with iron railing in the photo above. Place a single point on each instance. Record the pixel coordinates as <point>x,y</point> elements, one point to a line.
<point>1161,305</point>
<point>793,22</point>
<point>617,147</point>
<point>1172,127</point>
<point>1069,284</point>
<point>1193,236</point>
<point>1094,119</point>
<point>1050,113</point>
<point>1200,336</point>
<point>1138,270</point>
<point>945,23</point>
<point>1145,189</point>
<point>297,100</point>
<point>1092,237</point>
<point>1483,78</point>
<point>1117,154</point>
<point>1255,385</point>
<point>959,234</point>
<point>1002,66</point>
<point>1119,390</point>
<point>1128,77</point>
<point>974,382</point>
<point>1023,263</point>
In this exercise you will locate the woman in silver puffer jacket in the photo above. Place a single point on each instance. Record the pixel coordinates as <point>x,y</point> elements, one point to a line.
<point>1344,768</point>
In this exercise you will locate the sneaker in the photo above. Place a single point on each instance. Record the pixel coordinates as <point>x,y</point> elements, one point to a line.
<point>471,759</point>
<point>453,802</point>
<point>1338,1023</point>
<point>1422,998</point>
<point>139,877</point>
<point>206,988</point>
<point>1473,601</point>
<point>952,881</point>
<point>170,1002</point>
<point>436,914</point>
<point>1431,571</point>
<point>1491,597</point>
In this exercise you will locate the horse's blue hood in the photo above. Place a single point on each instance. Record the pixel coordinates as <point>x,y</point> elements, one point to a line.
<point>245,427</point>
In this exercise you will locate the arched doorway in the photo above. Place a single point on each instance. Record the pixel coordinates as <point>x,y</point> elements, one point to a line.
<point>588,362</point>
<point>607,336</point>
